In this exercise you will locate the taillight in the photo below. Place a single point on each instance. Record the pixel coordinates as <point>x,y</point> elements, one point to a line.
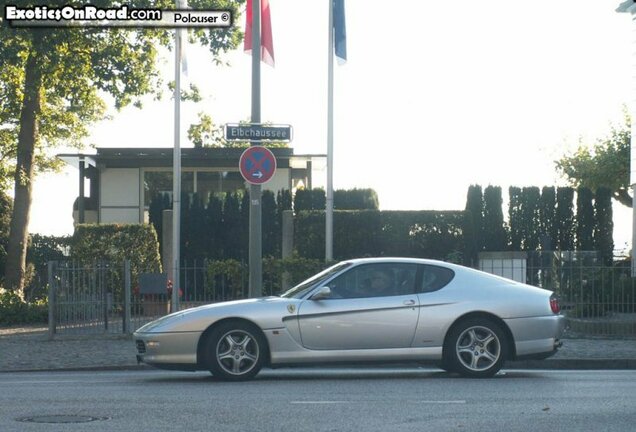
<point>554,304</point>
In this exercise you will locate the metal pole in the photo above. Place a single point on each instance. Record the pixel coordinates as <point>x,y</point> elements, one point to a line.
<point>52,301</point>
<point>329,203</point>
<point>176,175</point>
<point>255,230</point>
<point>80,202</point>
<point>127,318</point>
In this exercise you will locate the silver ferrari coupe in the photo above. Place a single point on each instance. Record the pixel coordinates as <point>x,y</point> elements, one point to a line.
<point>364,310</point>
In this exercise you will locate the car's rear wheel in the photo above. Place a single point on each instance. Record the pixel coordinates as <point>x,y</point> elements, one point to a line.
<point>476,348</point>
<point>235,351</point>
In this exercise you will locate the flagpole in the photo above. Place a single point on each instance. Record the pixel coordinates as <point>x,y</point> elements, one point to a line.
<point>329,204</point>
<point>255,228</point>
<point>176,173</point>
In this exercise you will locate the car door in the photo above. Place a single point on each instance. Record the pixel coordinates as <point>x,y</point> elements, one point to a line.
<point>361,314</point>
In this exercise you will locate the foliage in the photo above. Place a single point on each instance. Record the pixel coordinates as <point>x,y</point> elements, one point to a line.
<point>604,164</point>
<point>14,310</point>
<point>40,251</point>
<point>115,243</point>
<point>295,268</point>
<point>6,207</point>
<point>356,199</point>
<point>549,234</point>
<point>52,85</point>
<point>584,220</point>
<point>359,233</point>
<point>494,231</point>
<point>206,133</point>
<point>228,279</point>
<point>565,218</point>
<point>309,199</point>
<point>515,218</point>
<point>474,223</point>
<point>604,226</point>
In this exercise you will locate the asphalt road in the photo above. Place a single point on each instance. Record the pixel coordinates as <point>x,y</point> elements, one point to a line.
<point>378,399</point>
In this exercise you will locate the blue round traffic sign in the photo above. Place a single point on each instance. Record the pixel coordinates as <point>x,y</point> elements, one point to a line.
<point>257,165</point>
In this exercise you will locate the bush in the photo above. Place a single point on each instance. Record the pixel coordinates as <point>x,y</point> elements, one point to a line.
<point>423,234</point>
<point>115,243</point>
<point>13,310</point>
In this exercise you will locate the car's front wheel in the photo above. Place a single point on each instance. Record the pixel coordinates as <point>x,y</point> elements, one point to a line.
<point>235,351</point>
<point>476,348</point>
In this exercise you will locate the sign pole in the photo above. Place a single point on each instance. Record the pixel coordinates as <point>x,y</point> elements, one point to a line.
<point>255,230</point>
<point>176,175</point>
<point>329,202</point>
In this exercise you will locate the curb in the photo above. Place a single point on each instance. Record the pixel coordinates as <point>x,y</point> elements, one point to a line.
<point>563,364</point>
<point>576,364</point>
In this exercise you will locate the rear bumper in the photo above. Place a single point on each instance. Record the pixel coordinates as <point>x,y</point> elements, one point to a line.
<point>537,337</point>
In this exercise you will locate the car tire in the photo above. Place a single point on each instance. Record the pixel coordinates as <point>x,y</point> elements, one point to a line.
<point>476,348</point>
<point>235,351</point>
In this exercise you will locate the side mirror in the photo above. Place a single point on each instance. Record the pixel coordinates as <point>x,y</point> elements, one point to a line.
<point>322,293</point>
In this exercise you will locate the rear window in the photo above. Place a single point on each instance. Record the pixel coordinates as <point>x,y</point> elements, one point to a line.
<point>434,278</point>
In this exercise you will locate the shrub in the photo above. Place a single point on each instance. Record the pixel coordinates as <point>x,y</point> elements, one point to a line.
<point>13,310</point>
<point>115,243</point>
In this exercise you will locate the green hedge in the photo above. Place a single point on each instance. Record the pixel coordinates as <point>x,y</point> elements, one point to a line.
<point>424,234</point>
<point>115,243</point>
<point>230,277</point>
<point>13,310</point>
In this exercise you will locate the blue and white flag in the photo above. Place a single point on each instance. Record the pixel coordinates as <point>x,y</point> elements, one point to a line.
<point>340,31</point>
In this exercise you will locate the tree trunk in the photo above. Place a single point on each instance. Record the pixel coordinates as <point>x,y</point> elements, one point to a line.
<point>18,236</point>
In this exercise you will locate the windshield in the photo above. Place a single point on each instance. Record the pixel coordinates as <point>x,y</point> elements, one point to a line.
<point>304,287</point>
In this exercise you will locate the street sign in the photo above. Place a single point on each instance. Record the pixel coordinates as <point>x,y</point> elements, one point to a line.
<point>258,132</point>
<point>257,165</point>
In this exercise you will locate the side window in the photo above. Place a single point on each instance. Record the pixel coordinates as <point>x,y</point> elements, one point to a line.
<point>375,280</point>
<point>434,278</point>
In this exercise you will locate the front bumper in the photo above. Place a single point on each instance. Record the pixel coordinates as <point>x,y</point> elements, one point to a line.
<point>168,350</point>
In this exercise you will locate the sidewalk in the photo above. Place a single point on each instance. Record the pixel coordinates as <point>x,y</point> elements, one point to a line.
<point>28,349</point>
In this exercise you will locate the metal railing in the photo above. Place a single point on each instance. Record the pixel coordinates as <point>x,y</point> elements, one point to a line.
<point>597,300</point>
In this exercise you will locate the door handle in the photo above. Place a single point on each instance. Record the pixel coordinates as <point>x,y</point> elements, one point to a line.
<point>409,302</point>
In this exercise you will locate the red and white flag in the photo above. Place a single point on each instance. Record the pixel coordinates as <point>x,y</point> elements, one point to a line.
<point>267,42</point>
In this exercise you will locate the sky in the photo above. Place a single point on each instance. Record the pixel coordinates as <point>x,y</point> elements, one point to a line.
<point>435,96</point>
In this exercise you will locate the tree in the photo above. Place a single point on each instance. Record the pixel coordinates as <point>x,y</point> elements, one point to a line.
<point>51,86</point>
<point>214,233</point>
<point>549,235</point>
<point>206,133</point>
<point>473,223</point>
<point>6,207</point>
<point>494,232</point>
<point>584,220</point>
<point>515,218</point>
<point>530,197</point>
<point>233,227</point>
<point>565,218</point>
<point>270,227</point>
<point>604,226</point>
<point>605,164</point>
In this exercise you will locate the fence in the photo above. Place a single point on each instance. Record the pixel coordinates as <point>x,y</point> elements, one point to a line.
<point>597,300</point>
<point>103,297</point>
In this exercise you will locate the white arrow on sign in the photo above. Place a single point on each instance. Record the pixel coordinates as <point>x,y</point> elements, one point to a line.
<point>257,174</point>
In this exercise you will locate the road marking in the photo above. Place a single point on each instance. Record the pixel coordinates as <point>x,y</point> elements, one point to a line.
<point>318,402</point>
<point>448,402</point>
<point>432,402</point>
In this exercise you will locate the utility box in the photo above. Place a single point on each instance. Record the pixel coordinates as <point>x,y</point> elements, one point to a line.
<point>511,265</point>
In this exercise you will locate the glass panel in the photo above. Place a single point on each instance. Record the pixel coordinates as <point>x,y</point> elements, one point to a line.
<point>160,182</point>
<point>156,182</point>
<point>218,182</point>
<point>375,280</point>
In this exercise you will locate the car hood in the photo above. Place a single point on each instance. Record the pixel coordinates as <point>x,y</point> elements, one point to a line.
<point>267,312</point>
